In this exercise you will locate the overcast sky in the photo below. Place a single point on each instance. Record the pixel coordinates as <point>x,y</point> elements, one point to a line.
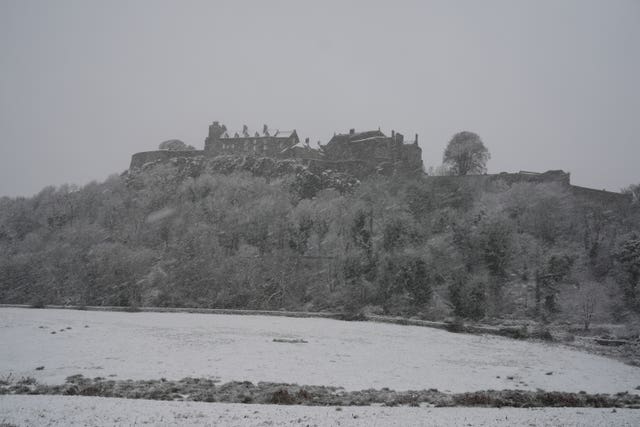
<point>546,84</point>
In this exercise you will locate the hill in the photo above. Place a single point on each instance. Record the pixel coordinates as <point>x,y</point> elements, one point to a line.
<point>236,232</point>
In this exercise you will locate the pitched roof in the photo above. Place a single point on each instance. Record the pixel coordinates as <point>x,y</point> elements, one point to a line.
<point>357,136</point>
<point>277,134</point>
<point>284,133</point>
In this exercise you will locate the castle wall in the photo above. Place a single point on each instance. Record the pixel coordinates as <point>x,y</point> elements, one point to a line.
<point>582,194</point>
<point>139,159</point>
<point>600,196</point>
<point>356,168</point>
<point>358,154</point>
<point>509,178</point>
<point>362,169</point>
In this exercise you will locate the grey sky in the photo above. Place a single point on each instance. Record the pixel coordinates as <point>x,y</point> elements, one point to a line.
<point>546,84</point>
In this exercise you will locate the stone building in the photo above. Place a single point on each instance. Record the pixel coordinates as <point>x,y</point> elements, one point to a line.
<point>265,144</point>
<point>357,153</point>
<point>376,149</point>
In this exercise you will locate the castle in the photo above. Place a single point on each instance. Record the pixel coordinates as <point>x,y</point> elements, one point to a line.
<point>358,153</point>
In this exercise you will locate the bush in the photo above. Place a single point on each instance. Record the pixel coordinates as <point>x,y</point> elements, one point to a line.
<point>282,397</point>
<point>517,333</point>
<point>469,298</point>
<point>456,326</point>
<point>37,302</point>
<point>542,333</point>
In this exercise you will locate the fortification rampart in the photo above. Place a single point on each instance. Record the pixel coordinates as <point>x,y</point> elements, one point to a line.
<point>358,154</point>
<point>140,159</point>
<point>560,177</point>
<point>600,196</point>
<point>509,178</point>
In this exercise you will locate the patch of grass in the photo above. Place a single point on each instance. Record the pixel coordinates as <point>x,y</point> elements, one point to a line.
<point>205,390</point>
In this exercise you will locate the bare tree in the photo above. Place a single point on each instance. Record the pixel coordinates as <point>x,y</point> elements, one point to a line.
<point>466,154</point>
<point>587,300</point>
<point>633,191</point>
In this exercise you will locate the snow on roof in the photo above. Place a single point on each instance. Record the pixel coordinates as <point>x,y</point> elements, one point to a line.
<point>300,144</point>
<point>252,134</point>
<point>371,138</point>
<point>284,133</point>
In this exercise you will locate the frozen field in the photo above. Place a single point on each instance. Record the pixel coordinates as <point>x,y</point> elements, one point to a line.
<point>93,411</point>
<point>354,355</point>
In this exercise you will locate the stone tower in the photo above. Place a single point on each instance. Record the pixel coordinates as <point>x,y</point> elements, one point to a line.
<point>216,130</point>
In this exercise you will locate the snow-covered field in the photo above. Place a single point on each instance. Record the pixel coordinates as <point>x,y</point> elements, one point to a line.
<point>94,411</point>
<point>354,355</point>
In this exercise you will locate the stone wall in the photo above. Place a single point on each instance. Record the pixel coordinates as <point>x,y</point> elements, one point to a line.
<point>140,159</point>
<point>508,178</point>
<point>582,194</point>
<point>356,168</point>
<point>600,196</point>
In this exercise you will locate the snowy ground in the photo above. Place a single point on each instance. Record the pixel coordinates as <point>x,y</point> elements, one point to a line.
<point>355,355</point>
<point>95,411</point>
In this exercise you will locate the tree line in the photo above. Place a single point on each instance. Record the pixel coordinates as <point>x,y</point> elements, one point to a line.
<point>414,247</point>
<point>432,248</point>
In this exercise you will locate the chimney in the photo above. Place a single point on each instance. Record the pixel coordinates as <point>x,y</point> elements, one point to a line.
<point>393,133</point>
<point>416,141</point>
<point>306,141</point>
<point>352,131</point>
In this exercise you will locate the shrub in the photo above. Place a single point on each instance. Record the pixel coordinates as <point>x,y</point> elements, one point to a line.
<point>469,298</point>
<point>282,397</point>
<point>37,302</point>
<point>456,326</point>
<point>542,333</point>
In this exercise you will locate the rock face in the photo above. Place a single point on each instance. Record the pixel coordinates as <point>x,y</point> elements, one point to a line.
<point>305,179</point>
<point>138,160</point>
